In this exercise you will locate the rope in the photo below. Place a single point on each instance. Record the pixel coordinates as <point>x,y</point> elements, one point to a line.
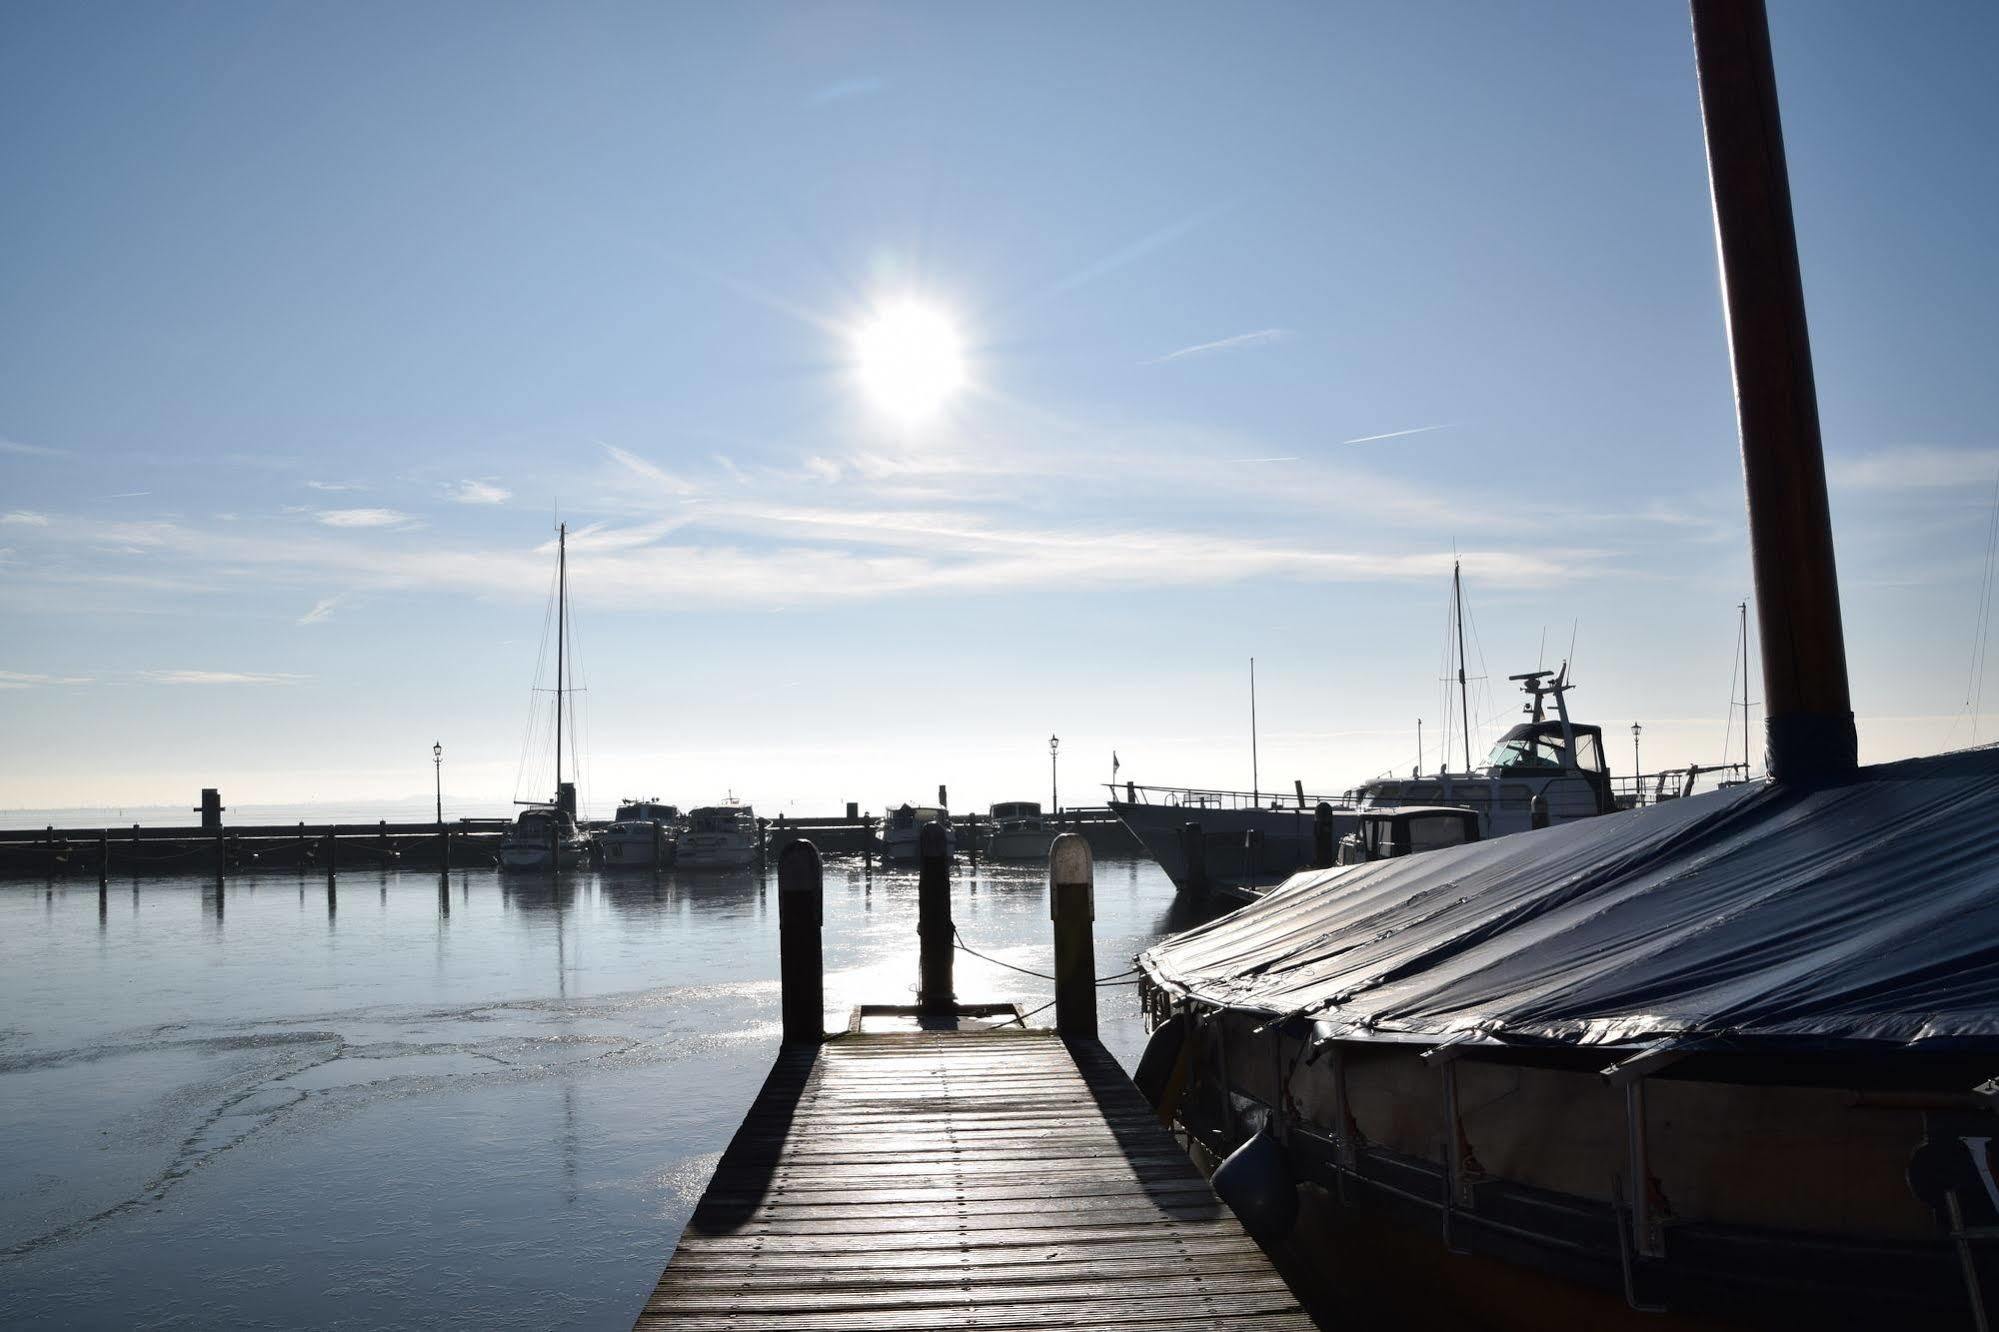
<point>1014,1021</point>
<point>958,941</point>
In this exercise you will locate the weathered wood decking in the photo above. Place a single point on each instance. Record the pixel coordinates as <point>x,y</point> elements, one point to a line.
<point>950,1179</point>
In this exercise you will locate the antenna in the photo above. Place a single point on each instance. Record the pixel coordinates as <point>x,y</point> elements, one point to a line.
<point>1458,612</point>
<point>1255,778</point>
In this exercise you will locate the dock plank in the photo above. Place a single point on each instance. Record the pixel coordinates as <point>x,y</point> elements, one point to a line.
<point>1001,1180</point>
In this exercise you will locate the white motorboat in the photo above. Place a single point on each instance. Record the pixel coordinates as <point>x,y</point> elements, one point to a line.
<point>643,835</point>
<point>902,833</point>
<point>719,837</point>
<point>544,837</point>
<point>1019,832</point>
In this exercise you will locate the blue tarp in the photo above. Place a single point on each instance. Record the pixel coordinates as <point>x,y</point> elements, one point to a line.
<point>1756,915</point>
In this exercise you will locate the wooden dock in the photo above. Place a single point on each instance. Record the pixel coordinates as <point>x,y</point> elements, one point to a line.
<point>967,1175</point>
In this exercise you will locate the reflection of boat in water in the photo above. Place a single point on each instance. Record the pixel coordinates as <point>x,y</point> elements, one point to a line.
<point>1019,832</point>
<point>902,833</point>
<point>718,837</point>
<point>545,835</point>
<point>1720,1061</point>
<point>642,835</point>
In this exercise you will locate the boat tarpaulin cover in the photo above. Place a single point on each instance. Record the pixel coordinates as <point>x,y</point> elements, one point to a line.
<point>1755,914</point>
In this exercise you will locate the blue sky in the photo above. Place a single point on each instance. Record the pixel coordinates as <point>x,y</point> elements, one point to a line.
<point>316,316</point>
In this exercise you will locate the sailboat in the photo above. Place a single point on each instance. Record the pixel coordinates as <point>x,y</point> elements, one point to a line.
<point>1720,1061</point>
<point>544,835</point>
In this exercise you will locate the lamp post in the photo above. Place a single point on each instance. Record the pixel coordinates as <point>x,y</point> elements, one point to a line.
<point>1054,797</point>
<point>1636,770</point>
<point>437,769</point>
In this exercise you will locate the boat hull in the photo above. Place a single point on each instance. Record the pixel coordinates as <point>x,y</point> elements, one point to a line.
<point>708,852</point>
<point>636,850</point>
<point>1285,844</point>
<point>1021,844</point>
<point>517,856</point>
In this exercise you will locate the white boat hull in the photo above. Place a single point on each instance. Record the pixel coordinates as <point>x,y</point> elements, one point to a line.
<point>519,856</point>
<point>647,849</point>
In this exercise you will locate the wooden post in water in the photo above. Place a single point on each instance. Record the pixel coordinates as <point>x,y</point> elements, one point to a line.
<point>933,922</point>
<point>332,857</point>
<point>1072,906</point>
<point>1323,853</point>
<point>103,859</point>
<point>1194,850</point>
<point>801,898</point>
<point>867,844</point>
<point>221,859</point>
<point>972,839</point>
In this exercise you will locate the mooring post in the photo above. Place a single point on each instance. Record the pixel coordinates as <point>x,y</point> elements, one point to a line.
<point>801,898</point>
<point>1194,850</point>
<point>972,839</point>
<point>1322,836</point>
<point>103,859</point>
<point>221,858</point>
<point>332,856</point>
<point>1072,906</point>
<point>867,844</point>
<point>445,864</point>
<point>933,922</point>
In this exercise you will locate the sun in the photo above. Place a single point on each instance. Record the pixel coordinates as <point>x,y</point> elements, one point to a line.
<point>909,360</point>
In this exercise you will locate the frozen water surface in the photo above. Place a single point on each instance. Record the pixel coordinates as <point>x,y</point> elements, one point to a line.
<point>490,1104</point>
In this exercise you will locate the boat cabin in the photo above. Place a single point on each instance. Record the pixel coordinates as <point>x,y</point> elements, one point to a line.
<point>915,816</point>
<point>1383,834</point>
<point>647,811</point>
<point>722,818</point>
<point>1017,812</point>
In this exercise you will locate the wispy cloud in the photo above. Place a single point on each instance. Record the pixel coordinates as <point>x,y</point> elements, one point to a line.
<point>845,88</point>
<point>477,492</point>
<point>15,446</point>
<point>1913,467</point>
<point>1260,460</point>
<point>1398,434</point>
<point>652,472</point>
<point>220,678</point>
<point>364,518</point>
<point>1257,339</point>
<point>322,609</point>
<point>23,518</point>
<point>127,494</point>
<point>25,680</point>
<point>333,485</point>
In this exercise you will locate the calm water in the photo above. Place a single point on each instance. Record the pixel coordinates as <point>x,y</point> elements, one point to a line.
<point>492,1105</point>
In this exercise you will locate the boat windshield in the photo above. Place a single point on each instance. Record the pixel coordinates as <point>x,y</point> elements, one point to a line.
<point>1537,746</point>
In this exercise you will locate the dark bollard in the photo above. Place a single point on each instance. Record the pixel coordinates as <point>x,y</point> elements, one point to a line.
<point>933,922</point>
<point>1072,906</point>
<point>1252,856</point>
<point>1194,850</point>
<point>1322,836</point>
<point>801,963</point>
<point>1537,812</point>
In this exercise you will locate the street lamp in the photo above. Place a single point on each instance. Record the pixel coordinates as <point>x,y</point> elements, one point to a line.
<point>1636,770</point>
<point>437,766</point>
<point>1054,799</point>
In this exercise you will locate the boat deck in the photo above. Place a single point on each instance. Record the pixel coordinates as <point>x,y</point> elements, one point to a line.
<point>961,1178</point>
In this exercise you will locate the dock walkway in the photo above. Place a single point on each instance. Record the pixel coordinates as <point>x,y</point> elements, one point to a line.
<point>952,1179</point>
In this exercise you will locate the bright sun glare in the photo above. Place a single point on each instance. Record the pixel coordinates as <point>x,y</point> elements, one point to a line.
<point>909,360</point>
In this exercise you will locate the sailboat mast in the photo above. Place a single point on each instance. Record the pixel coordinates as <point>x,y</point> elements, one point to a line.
<point>1742,610</point>
<point>1255,777</point>
<point>561,634</point>
<point>1464,704</point>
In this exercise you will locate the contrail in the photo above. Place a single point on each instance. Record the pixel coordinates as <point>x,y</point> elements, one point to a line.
<point>1221,344</point>
<point>1397,434</point>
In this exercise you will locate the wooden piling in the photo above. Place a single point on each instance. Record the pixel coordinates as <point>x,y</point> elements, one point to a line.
<point>801,897</point>
<point>1323,851</point>
<point>104,859</point>
<point>1072,906</point>
<point>1194,850</point>
<point>332,857</point>
<point>933,921</point>
<point>221,858</point>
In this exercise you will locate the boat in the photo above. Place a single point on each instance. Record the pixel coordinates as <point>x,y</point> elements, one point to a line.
<point>546,835</point>
<point>642,835</point>
<point>718,837</point>
<point>1721,1060</point>
<point>1387,831</point>
<point>902,832</point>
<point>1549,769</point>
<point>1019,832</point>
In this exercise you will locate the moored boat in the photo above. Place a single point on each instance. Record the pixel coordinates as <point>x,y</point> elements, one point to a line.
<point>544,837</point>
<point>718,837</point>
<point>1018,832</point>
<point>902,831</point>
<point>642,835</point>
